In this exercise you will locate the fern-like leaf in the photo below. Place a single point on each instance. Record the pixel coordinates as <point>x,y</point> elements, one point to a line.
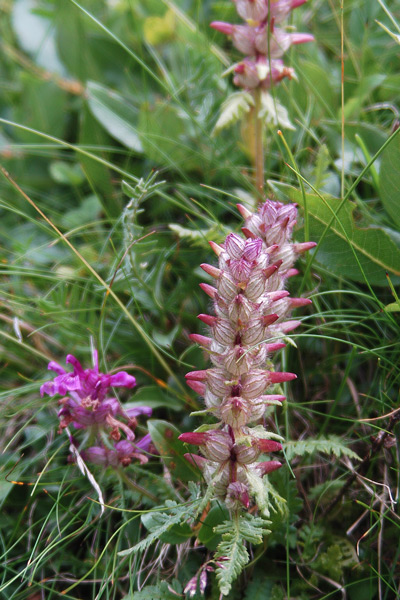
<point>161,522</point>
<point>330,445</point>
<point>233,109</point>
<point>232,553</point>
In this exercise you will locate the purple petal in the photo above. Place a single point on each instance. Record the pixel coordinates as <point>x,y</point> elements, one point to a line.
<point>139,410</point>
<point>54,366</point>
<point>144,443</point>
<point>75,363</point>
<point>124,448</point>
<point>96,455</point>
<point>122,379</point>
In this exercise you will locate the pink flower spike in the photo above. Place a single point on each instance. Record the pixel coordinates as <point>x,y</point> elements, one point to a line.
<point>279,377</point>
<point>208,320</point>
<point>191,437</point>
<point>269,446</point>
<point>275,346</point>
<point>268,466</point>
<point>213,271</point>
<point>208,289</point>
<point>243,211</point>
<point>216,248</point>
<point>296,302</point>
<point>304,246</point>
<point>269,319</point>
<point>223,27</point>
<point>202,340</point>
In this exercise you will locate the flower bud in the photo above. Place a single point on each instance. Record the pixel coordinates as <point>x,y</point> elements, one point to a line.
<point>237,496</point>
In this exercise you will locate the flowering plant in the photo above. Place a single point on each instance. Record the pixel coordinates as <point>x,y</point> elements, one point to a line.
<point>87,405</point>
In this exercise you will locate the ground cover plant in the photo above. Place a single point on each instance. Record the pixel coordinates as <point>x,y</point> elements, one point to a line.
<point>147,454</point>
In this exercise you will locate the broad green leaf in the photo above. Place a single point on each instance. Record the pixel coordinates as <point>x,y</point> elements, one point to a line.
<point>172,450</point>
<point>389,179</point>
<point>207,536</point>
<point>42,107</point>
<point>317,82</point>
<point>116,114</point>
<point>374,248</point>
<point>153,396</point>
<point>98,175</point>
<point>163,130</point>
<point>73,40</point>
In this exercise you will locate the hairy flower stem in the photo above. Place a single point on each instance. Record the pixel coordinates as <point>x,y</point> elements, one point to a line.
<point>258,146</point>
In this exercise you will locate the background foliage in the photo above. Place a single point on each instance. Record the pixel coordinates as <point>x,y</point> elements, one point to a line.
<point>101,92</point>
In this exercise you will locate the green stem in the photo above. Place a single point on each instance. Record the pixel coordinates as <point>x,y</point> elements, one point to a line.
<point>258,147</point>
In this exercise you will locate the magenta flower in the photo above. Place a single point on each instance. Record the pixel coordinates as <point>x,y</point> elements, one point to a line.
<point>85,383</point>
<point>85,402</point>
<point>121,455</point>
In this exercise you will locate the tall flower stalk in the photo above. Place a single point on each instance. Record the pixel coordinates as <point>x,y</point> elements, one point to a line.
<point>252,317</point>
<point>263,39</point>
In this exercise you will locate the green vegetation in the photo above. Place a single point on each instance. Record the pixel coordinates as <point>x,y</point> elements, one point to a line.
<point>113,182</point>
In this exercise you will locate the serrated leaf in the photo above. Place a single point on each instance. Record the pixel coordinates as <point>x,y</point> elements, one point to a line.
<point>375,250</point>
<point>330,445</point>
<point>232,552</point>
<point>158,523</point>
<point>272,112</point>
<point>116,114</point>
<point>176,534</point>
<point>389,179</point>
<point>165,438</point>
<point>233,109</point>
